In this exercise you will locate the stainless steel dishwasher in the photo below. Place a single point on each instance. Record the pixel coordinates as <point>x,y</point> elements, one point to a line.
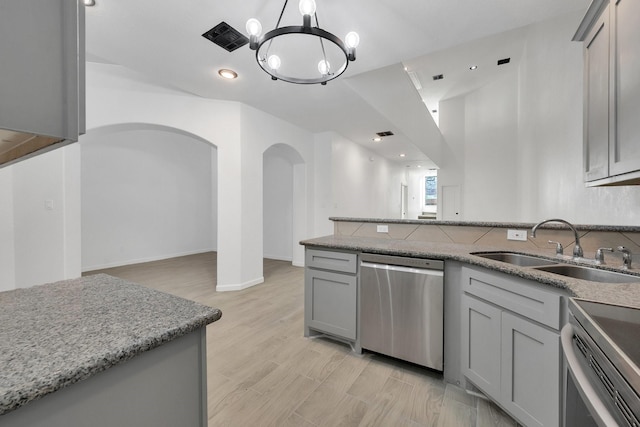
<point>401,308</point>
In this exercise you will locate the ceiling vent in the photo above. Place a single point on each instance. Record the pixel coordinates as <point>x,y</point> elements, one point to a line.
<point>227,37</point>
<point>438,77</point>
<point>385,133</point>
<point>504,61</point>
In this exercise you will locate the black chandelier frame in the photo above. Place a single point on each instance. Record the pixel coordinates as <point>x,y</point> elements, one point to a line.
<point>306,28</point>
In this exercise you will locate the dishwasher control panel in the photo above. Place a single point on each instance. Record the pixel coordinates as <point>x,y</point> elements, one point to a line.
<point>431,264</point>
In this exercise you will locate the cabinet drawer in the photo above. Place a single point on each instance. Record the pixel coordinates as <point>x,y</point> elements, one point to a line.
<point>514,294</point>
<point>329,260</point>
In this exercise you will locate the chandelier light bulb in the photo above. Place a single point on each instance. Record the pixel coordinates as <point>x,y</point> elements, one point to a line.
<point>254,27</point>
<point>274,62</point>
<point>307,7</point>
<point>352,40</point>
<point>324,67</point>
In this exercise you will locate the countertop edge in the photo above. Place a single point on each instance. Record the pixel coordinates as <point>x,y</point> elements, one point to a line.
<point>519,225</point>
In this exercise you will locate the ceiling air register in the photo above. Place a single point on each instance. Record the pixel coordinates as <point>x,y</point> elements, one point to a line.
<point>302,54</point>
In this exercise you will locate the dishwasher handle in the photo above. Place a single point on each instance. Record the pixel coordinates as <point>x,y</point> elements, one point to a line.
<point>414,270</point>
<point>379,259</point>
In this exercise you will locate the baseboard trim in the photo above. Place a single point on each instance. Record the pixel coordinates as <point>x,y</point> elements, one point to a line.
<point>277,257</point>
<point>239,287</point>
<point>143,260</point>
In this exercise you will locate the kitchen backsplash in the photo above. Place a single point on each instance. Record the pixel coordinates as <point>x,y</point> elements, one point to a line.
<point>495,234</point>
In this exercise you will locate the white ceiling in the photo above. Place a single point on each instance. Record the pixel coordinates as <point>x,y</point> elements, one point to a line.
<point>162,40</point>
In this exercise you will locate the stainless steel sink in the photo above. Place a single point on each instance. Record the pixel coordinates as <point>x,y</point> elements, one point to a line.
<point>516,259</point>
<point>591,274</point>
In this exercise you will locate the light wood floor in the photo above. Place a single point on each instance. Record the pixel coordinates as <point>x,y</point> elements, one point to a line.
<point>263,372</point>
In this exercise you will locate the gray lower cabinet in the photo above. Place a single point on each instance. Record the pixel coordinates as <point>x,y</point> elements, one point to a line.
<point>511,344</point>
<point>330,293</point>
<point>165,386</point>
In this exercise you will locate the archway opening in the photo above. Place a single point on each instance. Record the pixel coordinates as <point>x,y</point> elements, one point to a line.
<point>148,192</point>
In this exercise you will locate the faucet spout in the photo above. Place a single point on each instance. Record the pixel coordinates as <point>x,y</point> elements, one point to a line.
<point>577,249</point>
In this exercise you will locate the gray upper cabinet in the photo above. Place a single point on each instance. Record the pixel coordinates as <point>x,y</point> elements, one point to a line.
<point>611,92</point>
<point>624,153</point>
<point>596,99</point>
<point>41,75</point>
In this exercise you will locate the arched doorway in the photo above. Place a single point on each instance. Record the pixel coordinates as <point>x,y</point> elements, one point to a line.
<point>148,192</point>
<point>284,203</point>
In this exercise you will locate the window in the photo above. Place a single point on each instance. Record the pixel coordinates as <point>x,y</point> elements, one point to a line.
<point>430,190</point>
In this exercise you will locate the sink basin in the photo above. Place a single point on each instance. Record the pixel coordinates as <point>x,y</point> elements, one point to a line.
<point>516,259</point>
<point>592,274</point>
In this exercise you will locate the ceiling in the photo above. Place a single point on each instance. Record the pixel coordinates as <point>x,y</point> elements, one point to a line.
<point>162,40</point>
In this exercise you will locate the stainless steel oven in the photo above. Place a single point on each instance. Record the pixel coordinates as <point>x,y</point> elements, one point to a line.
<point>601,344</point>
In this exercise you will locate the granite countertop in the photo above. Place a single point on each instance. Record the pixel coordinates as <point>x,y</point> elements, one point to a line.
<point>615,293</point>
<point>60,333</point>
<point>527,225</point>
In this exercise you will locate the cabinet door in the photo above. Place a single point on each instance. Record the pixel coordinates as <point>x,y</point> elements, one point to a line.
<point>596,102</point>
<point>40,66</point>
<point>481,336</point>
<point>330,302</point>
<point>531,372</point>
<point>624,155</point>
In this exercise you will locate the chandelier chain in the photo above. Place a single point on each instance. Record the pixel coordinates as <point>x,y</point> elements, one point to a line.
<point>266,55</point>
<point>324,54</point>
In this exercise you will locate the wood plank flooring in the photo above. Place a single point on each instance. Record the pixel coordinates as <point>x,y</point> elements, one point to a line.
<point>263,372</point>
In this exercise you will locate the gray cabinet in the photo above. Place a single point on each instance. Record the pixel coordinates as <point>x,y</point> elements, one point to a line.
<point>41,75</point>
<point>624,152</point>
<point>511,344</point>
<point>611,92</point>
<point>596,100</point>
<point>330,293</point>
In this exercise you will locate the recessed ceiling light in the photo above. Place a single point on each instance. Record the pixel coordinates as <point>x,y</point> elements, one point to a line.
<point>377,139</point>
<point>89,2</point>
<point>402,154</point>
<point>473,67</point>
<point>419,166</point>
<point>227,74</point>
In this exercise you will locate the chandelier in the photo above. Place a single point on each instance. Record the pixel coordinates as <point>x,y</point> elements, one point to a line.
<point>303,54</point>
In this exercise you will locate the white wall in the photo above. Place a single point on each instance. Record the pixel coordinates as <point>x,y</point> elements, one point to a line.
<point>491,120</point>
<point>551,123</point>
<point>146,195</point>
<point>44,197</point>
<point>364,184</point>
<point>117,96</point>
<point>277,193</point>
<point>482,127</point>
<point>521,156</point>
<point>7,238</point>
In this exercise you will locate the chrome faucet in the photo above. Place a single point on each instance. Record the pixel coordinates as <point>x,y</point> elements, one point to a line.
<point>626,257</point>
<point>599,259</point>
<point>577,249</point>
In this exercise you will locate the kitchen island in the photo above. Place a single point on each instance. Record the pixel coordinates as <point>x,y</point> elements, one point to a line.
<point>102,351</point>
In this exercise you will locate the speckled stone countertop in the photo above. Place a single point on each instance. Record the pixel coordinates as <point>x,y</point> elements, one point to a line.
<point>616,293</point>
<point>581,227</point>
<point>60,333</point>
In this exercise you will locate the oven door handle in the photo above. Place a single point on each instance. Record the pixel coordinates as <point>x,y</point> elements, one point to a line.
<point>588,393</point>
